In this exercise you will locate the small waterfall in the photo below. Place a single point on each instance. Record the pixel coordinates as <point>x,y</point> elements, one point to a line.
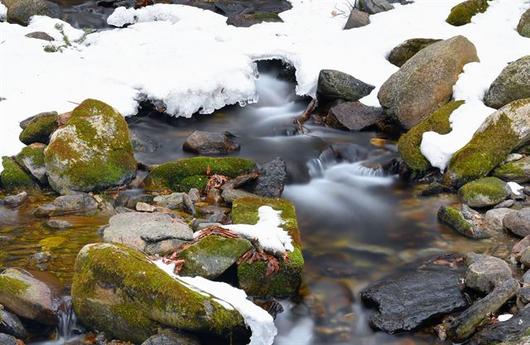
<point>67,319</point>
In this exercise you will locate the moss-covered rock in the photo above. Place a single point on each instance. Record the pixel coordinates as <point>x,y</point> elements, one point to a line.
<point>39,128</point>
<point>403,52</point>
<point>253,276</point>
<point>462,222</point>
<point>212,255</point>
<point>409,143</point>
<point>501,133</point>
<point>523,28</point>
<point>462,13</point>
<point>513,83</point>
<point>13,177</point>
<point>92,151</point>
<point>31,158</point>
<point>484,192</point>
<point>183,174</point>
<point>517,171</point>
<point>116,289</point>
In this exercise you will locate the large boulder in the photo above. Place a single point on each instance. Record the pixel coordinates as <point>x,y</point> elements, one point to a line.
<point>374,6</point>
<point>524,24</point>
<point>409,143</point>
<point>92,151</point>
<point>210,143</point>
<point>516,171</point>
<point>425,82</point>
<point>353,116</point>
<point>183,174</point>
<point>484,192</point>
<point>152,233</point>
<point>119,291</point>
<point>501,133</point>
<point>21,11</point>
<point>39,128</point>
<point>334,84</point>
<point>512,84</point>
<point>462,13</point>
<point>404,51</point>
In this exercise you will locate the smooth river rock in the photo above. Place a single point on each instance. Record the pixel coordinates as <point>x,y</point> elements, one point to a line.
<point>518,222</point>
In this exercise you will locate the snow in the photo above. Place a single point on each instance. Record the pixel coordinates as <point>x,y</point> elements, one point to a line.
<point>258,320</point>
<point>193,62</point>
<point>267,231</point>
<point>504,317</point>
<point>515,188</point>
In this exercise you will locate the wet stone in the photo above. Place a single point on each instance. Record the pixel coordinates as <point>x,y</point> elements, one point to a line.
<point>518,222</point>
<point>58,224</point>
<point>485,272</point>
<point>7,339</point>
<point>72,204</point>
<point>10,324</point>
<point>211,143</point>
<point>14,201</point>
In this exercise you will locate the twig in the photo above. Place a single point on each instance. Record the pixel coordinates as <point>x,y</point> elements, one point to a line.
<point>306,115</point>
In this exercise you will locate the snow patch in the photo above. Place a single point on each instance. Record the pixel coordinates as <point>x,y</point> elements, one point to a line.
<point>515,188</point>
<point>258,320</point>
<point>504,317</point>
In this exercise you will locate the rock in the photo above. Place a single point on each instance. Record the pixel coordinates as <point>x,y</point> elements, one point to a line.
<point>374,6</point>
<point>8,340</point>
<point>211,143</point>
<point>40,35</point>
<point>408,300</point>
<point>230,194</point>
<point>183,174</point>
<point>525,257</point>
<point>518,222</point>
<point>40,260</point>
<point>338,85</point>
<point>171,338</point>
<point>73,204</point>
<point>172,201</point>
<point>194,194</point>
<point>526,277</point>
<point>409,143</point>
<point>505,204</point>
<point>523,28</point>
<point>39,128</point>
<point>13,177</point>
<point>465,223</point>
<point>523,296</point>
<point>129,198</point>
<point>58,224</point>
<point>520,246</point>
<point>252,276</point>
<point>31,158</point>
<point>425,82</point>
<point>502,132</point>
<point>462,13</point>
<point>512,84</point>
<point>117,290</point>
<point>249,19</point>
<point>27,296</point>
<point>144,207</point>
<point>152,233</point>
<point>403,52</point>
<point>10,324</point>
<point>494,217</point>
<point>353,116</point>
<point>212,255</point>
<point>465,324</point>
<point>485,272</point>
<point>271,180</point>
<point>357,19</point>
<point>20,11</point>
<point>484,192</point>
<point>92,151</point>
<point>14,201</point>
<point>500,332</point>
<point>517,171</point>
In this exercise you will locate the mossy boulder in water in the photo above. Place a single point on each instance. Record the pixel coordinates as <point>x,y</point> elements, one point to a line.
<point>501,133</point>
<point>13,177</point>
<point>409,143</point>
<point>484,192</point>
<point>517,171</point>
<point>39,128</point>
<point>118,290</point>
<point>92,151</point>
<point>32,159</point>
<point>512,84</point>
<point>253,277</point>
<point>462,13</point>
<point>403,52</point>
<point>183,174</point>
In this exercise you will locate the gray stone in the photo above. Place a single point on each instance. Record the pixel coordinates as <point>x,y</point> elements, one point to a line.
<point>171,338</point>
<point>354,116</point>
<point>72,204</point>
<point>512,84</point>
<point>153,233</point>
<point>194,194</point>
<point>40,35</point>
<point>271,180</point>
<point>10,324</point>
<point>129,198</point>
<point>505,204</point>
<point>494,217</point>
<point>172,201</point>
<point>525,257</point>
<point>526,277</point>
<point>20,11</point>
<point>339,85</point>
<point>211,143</point>
<point>485,272</point>
<point>7,339</point>
<point>520,246</point>
<point>14,201</point>
<point>523,296</point>
<point>500,333</point>
<point>59,224</point>
<point>374,6</point>
<point>145,207</point>
<point>518,222</point>
<point>357,19</point>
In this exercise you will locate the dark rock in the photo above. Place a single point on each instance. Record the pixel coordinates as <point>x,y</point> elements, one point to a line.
<point>40,260</point>
<point>14,201</point>
<point>357,19</point>
<point>271,180</point>
<point>338,85</point>
<point>7,339</point>
<point>403,52</point>
<point>374,6</point>
<point>518,222</point>
<point>465,324</point>
<point>249,19</point>
<point>408,300</point>
<point>505,204</point>
<point>524,24</point>
<point>40,35</point>
<point>435,188</point>
<point>500,332</point>
<point>72,204</point>
<point>129,198</point>
<point>354,116</point>
<point>523,296</point>
<point>143,143</point>
<point>485,272</point>
<point>20,11</point>
<point>211,143</point>
<point>10,324</point>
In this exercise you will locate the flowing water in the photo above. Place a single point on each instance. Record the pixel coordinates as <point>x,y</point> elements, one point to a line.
<point>357,223</point>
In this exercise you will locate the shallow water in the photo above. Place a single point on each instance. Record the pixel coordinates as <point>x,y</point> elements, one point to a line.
<point>357,224</point>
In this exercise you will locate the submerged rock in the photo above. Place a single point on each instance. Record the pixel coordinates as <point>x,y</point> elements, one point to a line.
<point>512,84</point>
<point>152,233</point>
<point>39,128</point>
<point>374,6</point>
<point>503,131</point>
<point>523,28</point>
<point>117,290</point>
<point>462,13</point>
<point>73,204</point>
<point>334,84</point>
<point>403,52</point>
<point>484,192</point>
<point>353,116</point>
<point>485,272</point>
<point>518,222</point>
<point>14,201</point>
<point>211,143</point>
<point>357,19</point>
<point>425,81</point>
<point>20,11</point>
<point>92,151</point>
<point>501,332</point>
<point>516,171</point>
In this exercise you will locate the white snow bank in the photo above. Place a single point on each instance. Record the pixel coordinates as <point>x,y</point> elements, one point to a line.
<point>258,320</point>
<point>267,231</point>
<point>191,60</point>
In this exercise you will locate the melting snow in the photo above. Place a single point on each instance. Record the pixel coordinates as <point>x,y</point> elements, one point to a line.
<point>515,188</point>
<point>258,320</point>
<point>504,317</point>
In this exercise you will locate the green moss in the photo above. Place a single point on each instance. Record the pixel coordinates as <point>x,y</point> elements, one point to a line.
<point>409,143</point>
<point>486,150</point>
<point>486,191</point>
<point>34,153</point>
<point>402,53</point>
<point>12,286</point>
<point>51,243</point>
<point>462,13</point>
<point>253,276</point>
<point>518,171</point>
<point>183,174</point>
<point>39,129</point>
<point>452,217</point>
<point>13,177</point>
